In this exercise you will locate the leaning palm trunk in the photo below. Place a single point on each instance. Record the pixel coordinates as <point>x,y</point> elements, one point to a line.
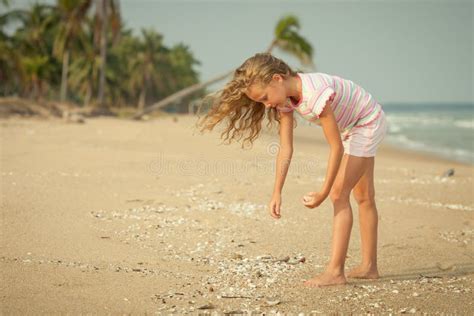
<point>179,95</point>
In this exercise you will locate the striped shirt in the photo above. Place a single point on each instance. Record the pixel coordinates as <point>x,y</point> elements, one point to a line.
<point>351,104</point>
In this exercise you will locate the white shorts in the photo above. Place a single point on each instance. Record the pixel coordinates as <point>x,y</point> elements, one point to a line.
<point>363,141</point>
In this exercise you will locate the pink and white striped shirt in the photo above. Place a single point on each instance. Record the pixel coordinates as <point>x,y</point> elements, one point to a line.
<point>351,104</point>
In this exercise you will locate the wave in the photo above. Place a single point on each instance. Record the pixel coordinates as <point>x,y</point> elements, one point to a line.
<point>410,120</point>
<point>458,154</point>
<point>465,124</point>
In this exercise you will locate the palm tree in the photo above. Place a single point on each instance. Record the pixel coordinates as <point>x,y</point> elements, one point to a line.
<point>73,14</point>
<point>182,75</point>
<point>107,12</point>
<point>119,59</point>
<point>35,23</point>
<point>25,55</point>
<point>85,68</point>
<point>149,59</point>
<point>286,38</point>
<point>10,64</point>
<point>35,70</point>
<point>182,63</point>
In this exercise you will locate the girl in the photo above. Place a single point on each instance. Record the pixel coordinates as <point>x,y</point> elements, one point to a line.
<point>353,124</point>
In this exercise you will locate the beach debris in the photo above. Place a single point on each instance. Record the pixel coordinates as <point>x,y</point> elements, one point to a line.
<point>198,196</point>
<point>235,312</point>
<point>207,306</point>
<point>245,208</point>
<point>271,302</point>
<point>19,107</point>
<point>247,276</point>
<point>237,256</point>
<point>420,202</point>
<point>72,117</point>
<point>144,212</point>
<point>448,173</point>
<point>238,285</point>
<point>235,296</point>
<point>424,276</point>
<point>445,266</point>
<point>405,310</point>
<point>284,259</point>
<point>297,259</point>
<point>235,271</point>
<point>95,267</point>
<point>465,236</point>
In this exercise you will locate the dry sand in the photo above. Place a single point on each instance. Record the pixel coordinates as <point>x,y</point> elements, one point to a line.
<point>117,216</point>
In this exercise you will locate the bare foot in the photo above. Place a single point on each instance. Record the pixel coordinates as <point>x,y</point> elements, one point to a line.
<point>325,279</point>
<point>363,272</point>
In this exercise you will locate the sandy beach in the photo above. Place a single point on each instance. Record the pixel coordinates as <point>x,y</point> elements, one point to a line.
<point>121,216</point>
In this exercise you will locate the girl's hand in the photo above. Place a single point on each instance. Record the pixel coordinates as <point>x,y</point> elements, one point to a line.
<point>314,199</point>
<point>275,206</point>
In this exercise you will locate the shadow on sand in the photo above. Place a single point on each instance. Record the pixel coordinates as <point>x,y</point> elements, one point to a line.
<point>456,269</point>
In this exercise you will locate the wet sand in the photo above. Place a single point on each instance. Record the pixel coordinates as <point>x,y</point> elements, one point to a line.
<point>117,216</point>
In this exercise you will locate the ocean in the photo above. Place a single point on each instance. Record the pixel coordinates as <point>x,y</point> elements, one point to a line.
<point>444,130</point>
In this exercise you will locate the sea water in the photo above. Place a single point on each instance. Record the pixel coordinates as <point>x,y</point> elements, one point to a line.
<point>444,130</point>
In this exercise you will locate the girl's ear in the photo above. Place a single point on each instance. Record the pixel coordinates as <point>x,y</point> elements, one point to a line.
<point>277,77</point>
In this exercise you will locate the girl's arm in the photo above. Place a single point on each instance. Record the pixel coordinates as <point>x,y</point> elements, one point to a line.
<point>333,137</point>
<point>286,150</point>
<point>283,160</point>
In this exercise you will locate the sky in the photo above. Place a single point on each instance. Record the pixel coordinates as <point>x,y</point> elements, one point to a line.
<point>399,51</point>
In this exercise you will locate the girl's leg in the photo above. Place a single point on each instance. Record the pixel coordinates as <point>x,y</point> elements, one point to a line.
<point>350,171</point>
<point>364,194</point>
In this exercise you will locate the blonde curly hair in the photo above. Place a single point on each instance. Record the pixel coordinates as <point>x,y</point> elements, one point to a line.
<point>231,104</point>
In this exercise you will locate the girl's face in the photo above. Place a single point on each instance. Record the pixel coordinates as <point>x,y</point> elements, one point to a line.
<point>271,95</point>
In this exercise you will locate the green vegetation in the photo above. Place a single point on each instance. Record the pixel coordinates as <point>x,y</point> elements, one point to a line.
<point>79,51</point>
